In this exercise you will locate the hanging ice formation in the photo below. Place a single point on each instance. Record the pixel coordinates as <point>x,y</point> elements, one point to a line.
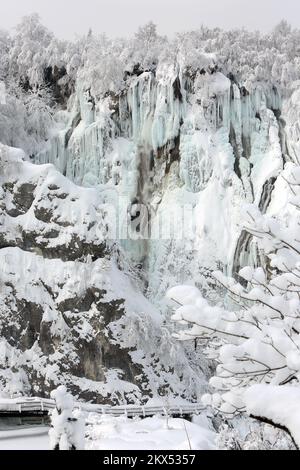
<point>169,133</point>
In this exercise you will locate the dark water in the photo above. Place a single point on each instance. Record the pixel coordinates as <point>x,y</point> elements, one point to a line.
<point>9,422</point>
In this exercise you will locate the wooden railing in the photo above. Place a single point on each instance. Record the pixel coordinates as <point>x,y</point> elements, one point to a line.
<point>27,406</point>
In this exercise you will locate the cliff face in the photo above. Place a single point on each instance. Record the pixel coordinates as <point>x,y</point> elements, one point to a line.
<point>77,303</point>
<point>71,309</point>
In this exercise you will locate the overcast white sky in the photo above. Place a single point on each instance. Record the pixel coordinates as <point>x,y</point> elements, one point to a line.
<point>122,17</point>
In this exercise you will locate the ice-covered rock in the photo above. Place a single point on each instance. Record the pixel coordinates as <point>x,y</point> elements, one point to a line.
<point>70,312</point>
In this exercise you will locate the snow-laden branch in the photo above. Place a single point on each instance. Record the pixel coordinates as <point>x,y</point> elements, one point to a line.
<point>279,406</point>
<point>258,340</point>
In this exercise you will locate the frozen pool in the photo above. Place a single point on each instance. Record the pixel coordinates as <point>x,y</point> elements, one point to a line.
<point>24,433</point>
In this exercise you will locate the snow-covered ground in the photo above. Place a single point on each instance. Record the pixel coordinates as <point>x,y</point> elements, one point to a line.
<point>155,433</point>
<point>108,433</point>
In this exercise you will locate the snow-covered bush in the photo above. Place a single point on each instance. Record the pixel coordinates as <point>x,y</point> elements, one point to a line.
<point>258,338</point>
<point>244,435</point>
<point>67,425</point>
<point>26,119</point>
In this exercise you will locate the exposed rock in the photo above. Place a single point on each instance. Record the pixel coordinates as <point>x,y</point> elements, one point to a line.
<point>43,214</point>
<point>22,197</point>
<point>60,84</point>
<point>177,89</point>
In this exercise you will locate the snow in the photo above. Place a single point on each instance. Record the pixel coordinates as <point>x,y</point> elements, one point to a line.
<point>219,84</point>
<point>157,433</point>
<point>111,433</point>
<point>277,404</point>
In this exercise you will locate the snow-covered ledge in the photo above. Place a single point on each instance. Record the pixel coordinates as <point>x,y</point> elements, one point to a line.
<point>278,405</point>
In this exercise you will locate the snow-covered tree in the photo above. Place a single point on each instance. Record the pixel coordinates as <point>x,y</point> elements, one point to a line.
<point>28,54</point>
<point>5,44</point>
<point>248,56</point>
<point>147,47</point>
<point>39,114</point>
<point>103,65</point>
<point>256,342</point>
<point>12,123</point>
<point>67,425</point>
